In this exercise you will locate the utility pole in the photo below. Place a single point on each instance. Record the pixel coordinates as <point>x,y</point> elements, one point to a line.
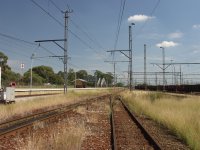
<point>180,75</point>
<point>114,63</point>
<point>163,68</point>
<point>145,69</point>
<point>172,73</point>
<point>66,48</point>
<point>130,55</point>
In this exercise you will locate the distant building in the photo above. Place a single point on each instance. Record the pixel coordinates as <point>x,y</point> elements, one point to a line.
<point>80,83</point>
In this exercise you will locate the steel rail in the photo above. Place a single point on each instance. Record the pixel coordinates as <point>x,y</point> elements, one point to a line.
<point>144,131</point>
<point>136,121</point>
<point>113,137</point>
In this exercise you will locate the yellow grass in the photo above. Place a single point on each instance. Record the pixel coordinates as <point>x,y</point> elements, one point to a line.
<point>22,108</point>
<point>180,114</point>
<point>63,136</point>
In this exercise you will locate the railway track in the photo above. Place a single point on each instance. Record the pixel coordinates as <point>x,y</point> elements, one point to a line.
<point>33,95</point>
<point>115,128</point>
<point>26,124</point>
<point>127,132</point>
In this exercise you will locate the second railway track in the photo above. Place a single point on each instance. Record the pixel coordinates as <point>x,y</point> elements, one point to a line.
<point>127,132</point>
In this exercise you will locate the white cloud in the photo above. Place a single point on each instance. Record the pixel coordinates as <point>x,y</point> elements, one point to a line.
<point>175,35</point>
<point>196,26</point>
<point>139,18</point>
<point>167,44</point>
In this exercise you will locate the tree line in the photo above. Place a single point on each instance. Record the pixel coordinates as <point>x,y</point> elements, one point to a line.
<point>45,75</point>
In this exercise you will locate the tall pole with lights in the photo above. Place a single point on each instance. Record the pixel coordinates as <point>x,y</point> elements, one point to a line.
<point>163,55</point>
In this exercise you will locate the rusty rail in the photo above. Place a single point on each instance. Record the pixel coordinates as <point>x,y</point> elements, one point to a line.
<point>147,135</point>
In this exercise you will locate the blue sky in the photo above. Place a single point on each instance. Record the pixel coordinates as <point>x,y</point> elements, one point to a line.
<point>174,25</point>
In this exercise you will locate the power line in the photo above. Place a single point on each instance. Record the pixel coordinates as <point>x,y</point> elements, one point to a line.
<point>47,13</point>
<point>56,6</point>
<point>14,52</point>
<point>61,24</point>
<point>78,27</point>
<point>24,41</point>
<point>86,34</point>
<point>122,6</point>
<point>16,39</point>
<point>151,14</point>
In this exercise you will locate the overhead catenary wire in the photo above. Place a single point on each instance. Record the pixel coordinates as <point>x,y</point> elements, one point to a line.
<point>24,41</point>
<point>151,15</point>
<point>83,31</point>
<point>56,6</point>
<point>86,34</point>
<point>62,25</point>
<point>75,35</point>
<point>120,17</point>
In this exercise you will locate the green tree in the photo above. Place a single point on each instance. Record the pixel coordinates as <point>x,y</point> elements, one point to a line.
<point>82,74</point>
<point>99,74</point>
<point>71,76</point>
<point>43,74</point>
<point>3,62</point>
<point>109,78</point>
<point>7,74</point>
<point>37,80</point>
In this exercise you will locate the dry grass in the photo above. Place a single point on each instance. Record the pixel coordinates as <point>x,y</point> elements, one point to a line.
<point>22,108</point>
<point>180,114</point>
<point>65,135</point>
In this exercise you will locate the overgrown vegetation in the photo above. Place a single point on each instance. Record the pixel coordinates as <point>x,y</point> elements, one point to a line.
<point>67,134</point>
<point>22,108</point>
<point>178,113</point>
